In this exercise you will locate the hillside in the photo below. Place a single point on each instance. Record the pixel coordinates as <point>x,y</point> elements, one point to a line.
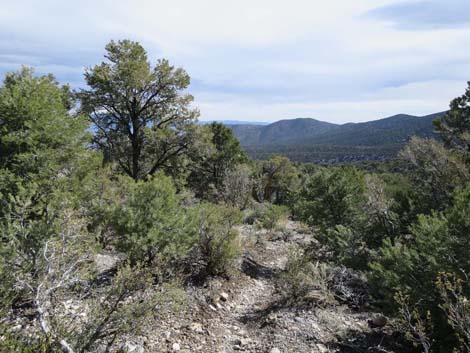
<point>311,140</point>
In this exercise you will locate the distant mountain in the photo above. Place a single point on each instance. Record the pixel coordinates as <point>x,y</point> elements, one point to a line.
<point>311,140</point>
<point>282,132</point>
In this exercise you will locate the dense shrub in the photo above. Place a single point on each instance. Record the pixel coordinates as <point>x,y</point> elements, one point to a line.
<point>275,180</point>
<point>214,160</point>
<point>151,224</point>
<point>331,197</point>
<point>411,264</point>
<point>218,245</point>
<point>435,172</point>
<point>303,282</point>
<point>237,187</point>
<point>271,215</point>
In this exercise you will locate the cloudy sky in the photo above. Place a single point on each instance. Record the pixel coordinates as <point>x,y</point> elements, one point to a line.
<point>263,60</point>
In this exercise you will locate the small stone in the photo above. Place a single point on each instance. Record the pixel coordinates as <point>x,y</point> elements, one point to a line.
<point>131,347</point>
<point>224,296</point>
<point>271,319</point>
<point>237,342</point>
<point>322,348</point>
<point>16,328</point>
<point>275,350</point>
<point>196,327</point>
<point>108,262</point>
<point>245,342</point>
<point>243,333</point>
<point>378,321</point>
<point>176,347</point>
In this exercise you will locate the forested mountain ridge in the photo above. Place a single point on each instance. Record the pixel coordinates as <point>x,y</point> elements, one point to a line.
<point>394,129</point>
<point>311,140</point>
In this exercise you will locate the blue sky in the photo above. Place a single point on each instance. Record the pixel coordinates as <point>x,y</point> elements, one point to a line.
<point>260,60</point>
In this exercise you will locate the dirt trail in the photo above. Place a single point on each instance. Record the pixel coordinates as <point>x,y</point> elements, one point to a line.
<point>243,313</point>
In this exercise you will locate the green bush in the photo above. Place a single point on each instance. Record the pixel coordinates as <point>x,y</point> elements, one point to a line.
<point>275,180</point>
<point>218,243</point>
<point>411,264</point>
<point>352,211</point>
<point>303,282</point>
<point>237,186</point>
<point>271,216</point>
<point>435,172</point>
<point>331,197</point>
<point>151,224</point>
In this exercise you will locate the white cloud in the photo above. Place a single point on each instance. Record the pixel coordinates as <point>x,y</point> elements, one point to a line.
<point>254,59</point>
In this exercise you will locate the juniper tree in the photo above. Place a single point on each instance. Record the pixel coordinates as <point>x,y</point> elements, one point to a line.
<point>454,126</point>
<point>141,117</point>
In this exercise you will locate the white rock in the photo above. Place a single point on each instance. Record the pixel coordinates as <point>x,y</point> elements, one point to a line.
<point>131,347</point>
<point>107,262</point>
<point>16,328</point>
<point>196,327</point>
<point>176,347</point>
<point>275,350</point>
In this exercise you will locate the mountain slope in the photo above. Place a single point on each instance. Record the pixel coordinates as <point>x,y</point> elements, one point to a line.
<point>282,131</point>
<point>311,140</point>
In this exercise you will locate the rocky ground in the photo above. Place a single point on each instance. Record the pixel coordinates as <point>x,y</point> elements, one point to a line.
<point>245,313</point>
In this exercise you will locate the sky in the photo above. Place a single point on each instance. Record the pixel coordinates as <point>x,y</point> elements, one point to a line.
<point>262,60</point>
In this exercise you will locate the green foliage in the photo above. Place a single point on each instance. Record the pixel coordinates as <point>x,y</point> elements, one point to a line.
<point>456,306</point>
<point>59,269</point>
<point>454,126</point>
<point>303,282</point>
<point>218,244</point>
<point>411,264</point>
<point>348,245</point>
<point>237,187</point>
<point>271,215</point>
<point>142,120</point>
<point>331,197</point>
<point>416,326</point>
<point>353,213</point>
<point>275,180</point>
<point>15,342</point>
<point>212,165</point>
<point>37,133</point>
<point>120,309</point>
<point>151,224</point>
<point>39,140</point>
<point>435,172</point>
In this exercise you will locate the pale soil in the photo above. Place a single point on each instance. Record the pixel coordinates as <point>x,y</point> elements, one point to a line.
<point>252,318</point>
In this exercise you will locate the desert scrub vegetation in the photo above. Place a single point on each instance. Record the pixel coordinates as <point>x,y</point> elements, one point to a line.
<point>271,215</point>
<point>218,244</point>
<point>304,282</point>
<point>151,225</point>
<point>133,176</point>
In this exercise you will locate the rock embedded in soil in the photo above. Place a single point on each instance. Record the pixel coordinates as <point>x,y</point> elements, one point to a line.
<point>223,296</point>
<point>378,321</point>
<point>176,347</point>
